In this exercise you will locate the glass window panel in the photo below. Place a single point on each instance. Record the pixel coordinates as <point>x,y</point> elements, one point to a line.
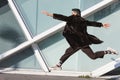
<point>113,72</point>
<point>3,3</point>
<point>85,4</point>
<point>11,34</point>
<point>36,21</point>
<point>24,59</point>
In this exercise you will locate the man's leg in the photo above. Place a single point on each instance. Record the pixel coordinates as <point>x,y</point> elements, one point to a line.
<point>65,56</point>
<point>70,51</point>
<point>99,54</point>
<point>88,51</point>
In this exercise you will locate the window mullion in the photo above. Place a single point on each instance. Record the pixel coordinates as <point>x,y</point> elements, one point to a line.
<point>28,36</point>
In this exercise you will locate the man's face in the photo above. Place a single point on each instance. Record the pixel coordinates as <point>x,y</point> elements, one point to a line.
<point>74,13</point>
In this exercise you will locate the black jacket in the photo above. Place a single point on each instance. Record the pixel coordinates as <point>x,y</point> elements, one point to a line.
<point>75,30</point>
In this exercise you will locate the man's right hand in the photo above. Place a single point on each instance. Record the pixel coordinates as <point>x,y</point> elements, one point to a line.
<point>46,13</point>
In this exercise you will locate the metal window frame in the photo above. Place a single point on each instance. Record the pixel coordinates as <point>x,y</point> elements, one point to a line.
<point>35,47</point>
<point>50,32</point>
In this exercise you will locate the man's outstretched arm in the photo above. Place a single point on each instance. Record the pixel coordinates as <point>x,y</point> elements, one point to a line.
<point>47,13</point>
<point>56,16</point>
<point>97,24</point>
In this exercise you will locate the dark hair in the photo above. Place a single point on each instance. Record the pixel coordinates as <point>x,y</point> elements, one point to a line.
<point>77,11</point>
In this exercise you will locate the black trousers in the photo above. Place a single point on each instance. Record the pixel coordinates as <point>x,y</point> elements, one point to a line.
<point>87,50</point>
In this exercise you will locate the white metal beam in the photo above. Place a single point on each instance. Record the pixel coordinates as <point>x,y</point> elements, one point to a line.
<point>97,7</point>
<point>18,17</point>
<point>106,68</point>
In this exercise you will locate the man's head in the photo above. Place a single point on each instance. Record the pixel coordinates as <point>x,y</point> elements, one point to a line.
<point>76,11</point>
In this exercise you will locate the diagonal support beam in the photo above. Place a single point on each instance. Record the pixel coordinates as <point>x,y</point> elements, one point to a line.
<point>35,47</point>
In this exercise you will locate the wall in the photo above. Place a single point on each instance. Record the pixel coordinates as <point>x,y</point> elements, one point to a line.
<point>54,46</point>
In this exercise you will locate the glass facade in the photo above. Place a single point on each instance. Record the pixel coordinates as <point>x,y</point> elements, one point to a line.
<point>106,15</point>
<point>24,59</point>
<point>79,59</point>
<point>53,47</point>
<point>85,4</point>
<point>11,34</point>
<point>37,22</point>
<point>31,10</point>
